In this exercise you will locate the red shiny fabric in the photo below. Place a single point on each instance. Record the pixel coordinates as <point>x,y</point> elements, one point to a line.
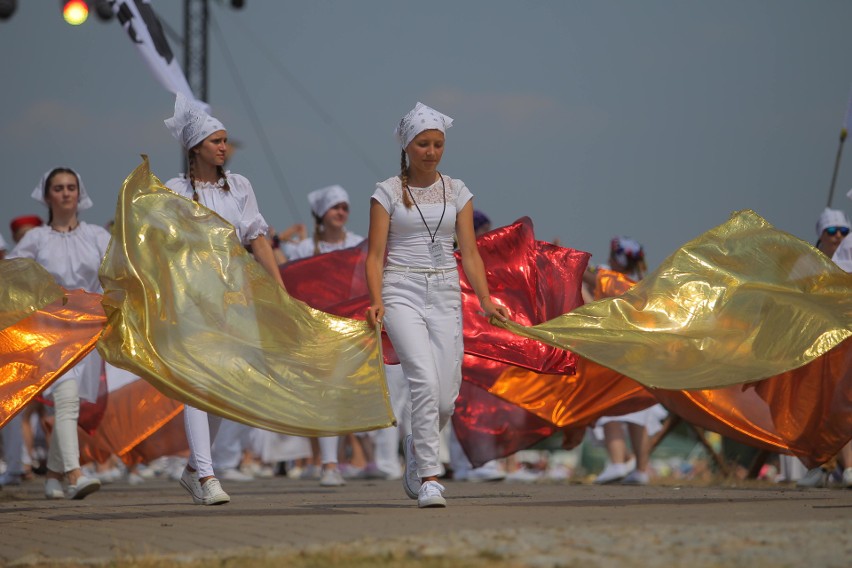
<point>537,281</point>
<point>486,426</point>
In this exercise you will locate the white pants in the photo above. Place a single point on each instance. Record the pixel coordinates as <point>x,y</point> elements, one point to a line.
<point>328,446</point>
<point>64,452</point>
<point>13,444</point>
<point>201,429</point>
<point>231,439</point>
<point>423,319</point>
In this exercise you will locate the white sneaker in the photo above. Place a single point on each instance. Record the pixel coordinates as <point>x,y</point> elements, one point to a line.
<point>635,477</point>
<point>410,479</point>
<point>847,478</point>
<point>233,474</point>
<point>612,472</point>
<point>331,478</point>
<point>84,486</point>
<point>213,494</point>
<point>53,489</point>
<point>814,478</point>
<point>430,495</point>
<point>488,472</point>
<point>189,481</point>
<point>523,475</point>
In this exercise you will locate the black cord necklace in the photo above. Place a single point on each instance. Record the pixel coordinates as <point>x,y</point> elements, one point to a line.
<point>444,188</point>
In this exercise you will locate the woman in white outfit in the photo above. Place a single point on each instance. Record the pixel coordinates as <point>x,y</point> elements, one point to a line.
<point>232,197</point>
<point>330,209</point>
<point>71,250</point>
<point>417,296</point>
<point>627,257</point>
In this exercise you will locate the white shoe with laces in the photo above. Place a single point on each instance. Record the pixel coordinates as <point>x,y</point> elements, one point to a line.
<point>331,478</point>
<point>612,472</point>
<point>213,494</point>
<point>814,478</point>
<point>53,489</point>
<point>431,495</point>
<point>84,486</point>
<point>189,481</point>
<point>410,479</point>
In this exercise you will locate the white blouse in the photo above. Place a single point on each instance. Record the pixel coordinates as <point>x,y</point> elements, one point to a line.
<point>305,248</point>
<point>408,237</point>
<point>73,258</point>
<point>238,205</point>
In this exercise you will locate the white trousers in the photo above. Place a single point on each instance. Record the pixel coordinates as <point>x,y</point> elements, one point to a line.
<point>13,444</point>
<point>64,452</point>
<point>231,439</point>
<point>201,429</point>
<point>328,446</point>
<point>423,319</point>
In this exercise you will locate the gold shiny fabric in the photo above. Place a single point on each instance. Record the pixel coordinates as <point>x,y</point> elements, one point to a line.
<point>740,303</point>
<point>38,349</point>
<point>191,312</point>
<point>25,286</point>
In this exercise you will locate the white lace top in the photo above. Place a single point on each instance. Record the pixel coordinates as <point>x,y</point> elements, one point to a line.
<point>305,248</point>
<point>408,237</point>
<point>238,205</point>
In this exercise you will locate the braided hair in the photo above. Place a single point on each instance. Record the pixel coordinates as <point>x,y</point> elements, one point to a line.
<point>220,173</point>
<point>403,175</point>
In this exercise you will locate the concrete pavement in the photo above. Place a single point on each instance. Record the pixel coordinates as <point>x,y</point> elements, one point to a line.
<point>577,521</point>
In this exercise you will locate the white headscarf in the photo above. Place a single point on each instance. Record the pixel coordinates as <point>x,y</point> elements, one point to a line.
<point>322,200</point>
<point>83,199</point>
<point>191,124</point>
<point>832,218</point>
<point>418,119</point>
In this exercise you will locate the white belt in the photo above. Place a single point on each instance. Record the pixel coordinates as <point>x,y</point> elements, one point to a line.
<point>397,268</point>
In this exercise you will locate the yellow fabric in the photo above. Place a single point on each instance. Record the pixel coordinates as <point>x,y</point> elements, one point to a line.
<point>193,313</point>
<point>740,303</point>
<point>27,287</point>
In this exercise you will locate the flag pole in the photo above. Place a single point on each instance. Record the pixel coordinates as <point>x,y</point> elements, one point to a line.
<point>836,165</point>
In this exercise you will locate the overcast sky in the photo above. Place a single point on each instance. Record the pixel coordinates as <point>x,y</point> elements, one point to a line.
<point>655,119</point>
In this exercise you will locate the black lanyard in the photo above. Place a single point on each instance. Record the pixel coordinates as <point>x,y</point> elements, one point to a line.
<point>444,187</point>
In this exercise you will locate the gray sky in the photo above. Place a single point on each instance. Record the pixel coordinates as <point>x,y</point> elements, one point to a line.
<point>654,119</point>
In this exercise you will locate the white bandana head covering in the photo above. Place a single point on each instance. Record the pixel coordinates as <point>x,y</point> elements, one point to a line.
<point>418,119</point>
<point>191,124</point>
<point>322,200</point>
<point>832,218</point>
<point>83,199</point>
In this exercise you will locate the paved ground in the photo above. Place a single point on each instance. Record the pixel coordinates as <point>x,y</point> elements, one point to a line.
<point>542,524</point>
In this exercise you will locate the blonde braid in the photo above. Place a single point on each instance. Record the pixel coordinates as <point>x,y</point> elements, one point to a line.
<point>190,162</point>
<point>403,175</point>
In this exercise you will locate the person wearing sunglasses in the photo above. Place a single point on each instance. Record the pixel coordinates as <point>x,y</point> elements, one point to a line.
<point>832,227</point>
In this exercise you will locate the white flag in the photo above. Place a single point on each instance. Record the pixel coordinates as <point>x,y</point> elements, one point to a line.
<point>138,19</point>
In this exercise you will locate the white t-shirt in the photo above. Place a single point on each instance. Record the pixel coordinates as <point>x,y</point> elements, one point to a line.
<point>408,237</point>
<point>238,205</point>
<point>305,248</point>
<point>73,258</point>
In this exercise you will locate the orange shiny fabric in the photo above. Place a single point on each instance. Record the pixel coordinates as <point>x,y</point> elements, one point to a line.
<point>806,412</point>
<point>37,350</point>
<point>135,412</point>
<point>570,401</point>
<point>609,284</point>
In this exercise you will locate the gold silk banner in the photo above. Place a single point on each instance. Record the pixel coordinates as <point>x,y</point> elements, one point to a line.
<point>192,312</point>
<point>25,286</point>
<point>38,349</point>
<point>742,302</point>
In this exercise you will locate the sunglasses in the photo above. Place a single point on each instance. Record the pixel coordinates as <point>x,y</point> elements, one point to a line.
<point>831,231</point>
